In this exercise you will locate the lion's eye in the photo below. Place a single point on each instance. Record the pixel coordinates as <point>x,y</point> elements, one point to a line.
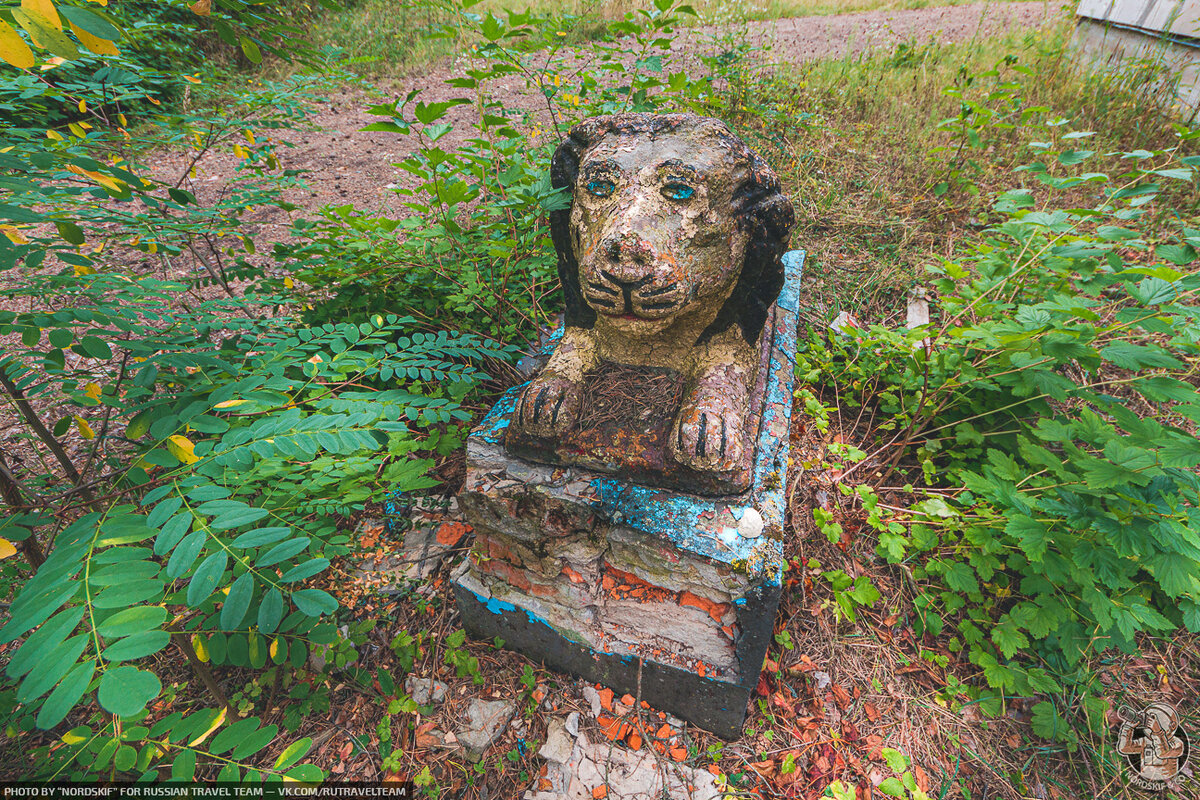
<point>601,187</point>
<point>677,191</point>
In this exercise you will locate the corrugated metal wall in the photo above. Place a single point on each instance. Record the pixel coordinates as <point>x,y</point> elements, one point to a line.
<point>1176,17</point>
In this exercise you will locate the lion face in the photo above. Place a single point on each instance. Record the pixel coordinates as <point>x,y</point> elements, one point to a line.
<point>652,230</point>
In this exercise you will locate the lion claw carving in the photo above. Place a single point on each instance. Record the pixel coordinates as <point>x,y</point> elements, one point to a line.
<point>707,435</point>
<point>548,406</point>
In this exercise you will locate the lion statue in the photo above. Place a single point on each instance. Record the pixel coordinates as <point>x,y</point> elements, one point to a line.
<point>669,257</point>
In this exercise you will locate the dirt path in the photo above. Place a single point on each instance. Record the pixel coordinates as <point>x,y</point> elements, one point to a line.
<point>348,165</point>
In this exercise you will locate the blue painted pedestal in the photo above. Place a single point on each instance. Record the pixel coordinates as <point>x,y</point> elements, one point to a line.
<point>652,592</point>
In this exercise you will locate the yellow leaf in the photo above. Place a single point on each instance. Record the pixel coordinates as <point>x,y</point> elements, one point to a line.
<point>97,45</point>
<point>111,184</point>
<point>249,136</point>
<point>75,129</point>
<point>191,79</point>
<point>83,269</point>
<point>201,8</point>
<point>200,645</point>
<point>6,549</point>
<point>100,2</point>
<point>154,101</point>
<point>13,48</point>
<point>72,738</point>
<point>274,647</point>
<point>230,403</point>
<point>289,283</point>
<point>216,724</point>
<point>121,119</point>
<point>51,63</point>
<point>92,390</point>
<point>43,8</point>
<point>182,448</point>
<point>55,135</point>
<point>85,430</point>
<point>14,234</point>
<point>239,151</point>
<point>83,106</point>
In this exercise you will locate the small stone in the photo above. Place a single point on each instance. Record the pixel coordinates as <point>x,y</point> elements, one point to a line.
<point>486,720</point>
<point>572,724</point>
<point>821,679</point>
<point>593,697</point>
<point>751,524</point>
<point>558,741</point>
<point>450,738</point>
<point>425,691</point>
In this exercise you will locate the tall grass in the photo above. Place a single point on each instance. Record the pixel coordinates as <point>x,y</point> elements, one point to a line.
<point>883,183</point>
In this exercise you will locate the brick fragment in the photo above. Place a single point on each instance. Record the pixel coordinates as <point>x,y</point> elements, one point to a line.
<point>679,753</point>
<point>451,533</point>
<point>714,610</point>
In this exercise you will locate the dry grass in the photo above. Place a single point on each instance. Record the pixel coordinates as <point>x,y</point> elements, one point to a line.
<point>856,141</point>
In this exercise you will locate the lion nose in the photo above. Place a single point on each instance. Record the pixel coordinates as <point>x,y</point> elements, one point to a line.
<point>627,249</point>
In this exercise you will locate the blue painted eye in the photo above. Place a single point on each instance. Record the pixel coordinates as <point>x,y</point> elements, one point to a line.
<point>677,191</point>
<point>601,187</point>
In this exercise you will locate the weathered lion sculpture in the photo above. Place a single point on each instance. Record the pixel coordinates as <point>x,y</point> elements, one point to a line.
<point>669,257</point>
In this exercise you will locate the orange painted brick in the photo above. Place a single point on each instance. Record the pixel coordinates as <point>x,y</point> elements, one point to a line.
<point>599,793</point>
<point>574,576</point>
<point>645,704</point>
<point>714,610</point>
<point>660,747</point>
<point>609,726</point>
<point>701,669</point>
<point>606,698</point>
<point>451,533</point>
<point>678,753</point>
<point>635,740</point>
<point>629,700</point>
<point>665,732</point>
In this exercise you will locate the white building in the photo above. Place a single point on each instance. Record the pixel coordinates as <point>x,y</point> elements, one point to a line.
<point>1155,44</point>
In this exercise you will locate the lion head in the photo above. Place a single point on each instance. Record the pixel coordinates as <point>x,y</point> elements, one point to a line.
<point>671,215</point>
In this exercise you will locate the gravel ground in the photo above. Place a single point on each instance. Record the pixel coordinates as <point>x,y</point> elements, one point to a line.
<point>348,165</point>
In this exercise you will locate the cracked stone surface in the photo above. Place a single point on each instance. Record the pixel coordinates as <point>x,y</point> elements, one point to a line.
<point>576,768</point>
<point>425,690</point>
<point>486,720</point>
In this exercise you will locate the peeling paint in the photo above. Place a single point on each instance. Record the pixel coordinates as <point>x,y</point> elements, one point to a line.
<point>615,572</point>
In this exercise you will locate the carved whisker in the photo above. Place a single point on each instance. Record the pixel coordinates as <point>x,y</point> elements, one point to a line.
<point>600,301</point>
<point>599,287</point>
<point>657,292</point>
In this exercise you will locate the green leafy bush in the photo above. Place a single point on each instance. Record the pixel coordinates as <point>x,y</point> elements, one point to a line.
<point>1053,409</point>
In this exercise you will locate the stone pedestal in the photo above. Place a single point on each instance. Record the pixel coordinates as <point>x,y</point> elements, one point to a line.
<point>651,590</point>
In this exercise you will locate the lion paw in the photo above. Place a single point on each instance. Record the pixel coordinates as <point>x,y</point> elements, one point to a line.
<point>708,436</point>
<point>548,406</point>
